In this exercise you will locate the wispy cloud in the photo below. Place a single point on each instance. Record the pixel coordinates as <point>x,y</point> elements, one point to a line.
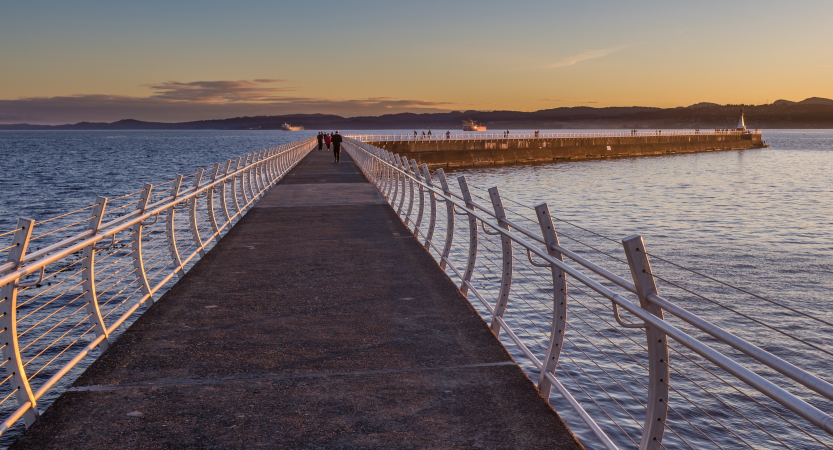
<point>174,101</point>
<point>571,100</point>
<point>218,91</point>
<point>584,56</point>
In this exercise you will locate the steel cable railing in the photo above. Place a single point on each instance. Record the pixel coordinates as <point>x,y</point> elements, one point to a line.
<point>703,386</point>
<point>67,291</point>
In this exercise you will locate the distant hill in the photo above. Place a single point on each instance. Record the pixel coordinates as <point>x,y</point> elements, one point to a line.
<point>813,112</point>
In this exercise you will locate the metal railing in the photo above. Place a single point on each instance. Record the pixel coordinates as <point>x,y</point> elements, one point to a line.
<point>94,268</point>
<point>663,378</point>
<point>533,135</point>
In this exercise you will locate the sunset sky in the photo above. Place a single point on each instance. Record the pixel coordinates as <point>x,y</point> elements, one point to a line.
<point>64,62</point>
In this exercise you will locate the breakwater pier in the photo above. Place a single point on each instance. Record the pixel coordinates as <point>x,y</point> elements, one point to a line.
<point>364,304</point>
<point>486,149</point>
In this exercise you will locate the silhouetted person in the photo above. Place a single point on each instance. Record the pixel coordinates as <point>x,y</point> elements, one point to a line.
<point>337,145</point>
<point>423,135</point>
<point>448,134</point>
<point>327,140</point>
<point>415,135</point>
<point>429,134</point>
<point>320,138</point>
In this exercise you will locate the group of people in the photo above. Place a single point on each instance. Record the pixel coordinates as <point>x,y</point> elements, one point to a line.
<point>330,138</point>
<point>428,136</point>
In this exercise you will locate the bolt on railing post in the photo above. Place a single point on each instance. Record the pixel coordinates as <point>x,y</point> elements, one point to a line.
<point>88,268</point>
<point>449,230</point>
<point>472,258</point>
<point>407,167</point>
<point>170,229</point>
<point>418,221</point>
<point>656,412</point>
<point>195,228</point>
<point>138,251</point>
<point>8,322</point>
<point>506,251</point>
<point>212,216</point>
<point>559,300</point>
<point>426,174</point>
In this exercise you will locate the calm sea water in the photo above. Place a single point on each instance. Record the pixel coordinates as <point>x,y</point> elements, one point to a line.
<point>757,219</point>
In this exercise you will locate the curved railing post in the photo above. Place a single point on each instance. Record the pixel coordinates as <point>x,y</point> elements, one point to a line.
<point>400,174</point>
<point>407,167</point>
<point>426,175</point>
<point>506,251</point>
<point>383,174</point>
<point>243,171</point>
<point>656,412</point>
<point>449,229</point>
<point>209,198</point>
<point>234,195</point>
<point>223,195</point>
<point>8,321</point>
<point>195,228</point>
<point>88,268</point>
<point>138,251</point>
<point>472,258</point>
<point>389,176</point>
<point>418,221</point>
<point>170,230</point>
<point>395,180</point>
<point>559,300</point>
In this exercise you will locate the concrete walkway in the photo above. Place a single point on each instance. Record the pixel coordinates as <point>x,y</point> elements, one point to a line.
<point>317,322</point>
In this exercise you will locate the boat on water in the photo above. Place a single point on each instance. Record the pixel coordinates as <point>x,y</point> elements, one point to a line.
<point>288,127</point>
<point>470,125</point>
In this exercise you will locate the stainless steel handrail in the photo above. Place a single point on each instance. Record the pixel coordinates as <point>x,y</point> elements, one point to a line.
<point>262,170</point>
<point>374,163</point>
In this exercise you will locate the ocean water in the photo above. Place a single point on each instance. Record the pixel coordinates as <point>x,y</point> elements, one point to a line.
<point>757,222</point>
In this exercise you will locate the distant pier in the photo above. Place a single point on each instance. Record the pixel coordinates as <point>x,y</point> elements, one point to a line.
<point>487,149</point>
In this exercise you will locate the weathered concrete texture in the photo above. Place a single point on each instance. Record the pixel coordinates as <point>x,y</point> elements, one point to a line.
<point>487,152</point>
<point>317,326</point>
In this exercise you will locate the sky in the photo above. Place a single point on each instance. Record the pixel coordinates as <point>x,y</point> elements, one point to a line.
<point>171,61</point>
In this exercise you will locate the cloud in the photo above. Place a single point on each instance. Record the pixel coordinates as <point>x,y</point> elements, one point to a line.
<point>218,91</point>
<point>568,100</point>
<point>584,56</point>
<point>174,101</point>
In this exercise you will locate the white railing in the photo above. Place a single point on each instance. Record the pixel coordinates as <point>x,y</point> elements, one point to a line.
<point>94,269</point>
<point>662,378</point>
<point>537,135</point>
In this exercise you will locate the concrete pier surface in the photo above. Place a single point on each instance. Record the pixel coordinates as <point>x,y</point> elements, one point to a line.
<point>487,152</point>
<point>318,321</point>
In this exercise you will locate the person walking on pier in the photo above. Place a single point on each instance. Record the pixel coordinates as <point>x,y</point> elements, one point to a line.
<point>337,145</point>
<point>448,134</point>
<point>327,140</point>
<point>429,134</point>
<point>320,138</point>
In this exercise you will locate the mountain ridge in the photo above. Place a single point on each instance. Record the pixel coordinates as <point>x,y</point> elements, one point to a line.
<point>813,112</point>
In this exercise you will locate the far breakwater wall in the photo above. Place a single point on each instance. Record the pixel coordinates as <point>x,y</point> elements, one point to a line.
<point>487,152</point>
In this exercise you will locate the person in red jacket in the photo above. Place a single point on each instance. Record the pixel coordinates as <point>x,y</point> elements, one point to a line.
<point>327,140</point>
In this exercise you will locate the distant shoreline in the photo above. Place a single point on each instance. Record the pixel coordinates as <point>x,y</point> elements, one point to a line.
<point>812,113</point>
